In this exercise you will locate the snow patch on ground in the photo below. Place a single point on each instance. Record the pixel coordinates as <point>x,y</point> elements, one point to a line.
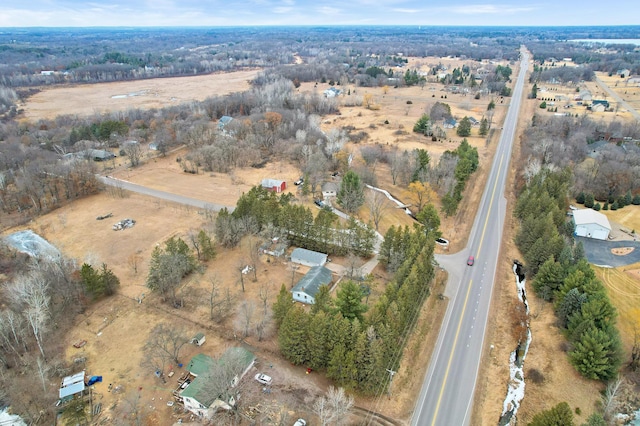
<point>32,244</point>
<point>515,389</point>
<point>7,419</point>
<point>390,197</point>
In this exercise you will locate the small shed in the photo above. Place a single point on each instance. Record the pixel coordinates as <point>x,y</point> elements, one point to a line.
<point>307,288</point>
<point>329,189</point>
<point>198,339</point>
<point>308,257</point>
<point>72,385</point>
<point>274,185</point>
<point>591,224</point>
<point>224,120</point>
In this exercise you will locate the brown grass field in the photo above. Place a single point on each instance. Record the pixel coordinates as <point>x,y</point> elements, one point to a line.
<point>116,328</point>
<point>89,99</point>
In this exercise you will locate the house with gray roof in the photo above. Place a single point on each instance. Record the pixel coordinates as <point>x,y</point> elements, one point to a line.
<point>306,289</point>
<point>308,257</point>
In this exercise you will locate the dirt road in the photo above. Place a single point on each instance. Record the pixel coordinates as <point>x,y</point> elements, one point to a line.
<point>119,183</point>
<point>618,99</point>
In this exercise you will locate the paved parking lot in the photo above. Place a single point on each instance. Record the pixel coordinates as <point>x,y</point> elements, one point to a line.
<point>599,252</point>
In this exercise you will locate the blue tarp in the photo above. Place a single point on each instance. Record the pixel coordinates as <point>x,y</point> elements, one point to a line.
<point>94,379</point>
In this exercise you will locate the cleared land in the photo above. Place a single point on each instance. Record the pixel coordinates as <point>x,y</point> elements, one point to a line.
<point>89,99</point>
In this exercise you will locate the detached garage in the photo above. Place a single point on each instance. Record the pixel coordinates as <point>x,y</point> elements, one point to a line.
<point>591,224</point>
<point>308,258</point>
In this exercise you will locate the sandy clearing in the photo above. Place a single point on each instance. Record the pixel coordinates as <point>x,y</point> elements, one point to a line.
<point>85,100</point>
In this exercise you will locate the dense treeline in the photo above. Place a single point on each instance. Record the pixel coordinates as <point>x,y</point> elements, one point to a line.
<point>91,55</point>
<point>263,211</point>
<point>561,74</point>
<point>562,275</point>
<point>357,348</point>
<point>36,181</point>
<point>604,157</point>
<point>590,56</point>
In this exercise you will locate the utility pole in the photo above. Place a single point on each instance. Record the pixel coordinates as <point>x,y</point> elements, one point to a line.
<point>294,268</point>
<point>391,374</point>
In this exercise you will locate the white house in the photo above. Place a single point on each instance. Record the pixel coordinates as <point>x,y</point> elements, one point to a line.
<point>196,395</point>
<point>306,289</point>
<point>591,224</point>
<point>329,189</point>
<point>308,257</point>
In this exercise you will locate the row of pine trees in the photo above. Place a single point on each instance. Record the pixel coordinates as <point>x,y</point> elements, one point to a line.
<point>355,344</point>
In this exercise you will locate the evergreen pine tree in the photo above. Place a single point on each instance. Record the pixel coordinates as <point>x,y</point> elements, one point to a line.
<point>292,336</point>
<point>283,304</point>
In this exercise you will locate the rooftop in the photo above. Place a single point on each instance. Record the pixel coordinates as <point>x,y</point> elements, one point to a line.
<point>313,280</point>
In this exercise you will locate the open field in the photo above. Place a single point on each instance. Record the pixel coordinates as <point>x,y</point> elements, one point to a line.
<point>630,93</point>
<point>85,100</point>
<point>628,217</point>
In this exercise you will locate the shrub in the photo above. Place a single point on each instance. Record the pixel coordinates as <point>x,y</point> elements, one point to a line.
<point>535,376</point>
<point>580,198</point>
<point>597,207</point>
<point>409,102</point>
<point>622,201</point>
<point>588,201</point>
<point>636,200</point>
<point>615,206</point>
<point>543,105</point>
<point>606,206</point>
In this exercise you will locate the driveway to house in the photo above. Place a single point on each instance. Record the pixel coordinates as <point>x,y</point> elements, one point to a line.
<point>618,99</point>
<point>176,198</point>
<point>598,252</point>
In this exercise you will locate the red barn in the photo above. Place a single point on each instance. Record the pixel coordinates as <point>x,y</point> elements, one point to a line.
<point>274,185</point>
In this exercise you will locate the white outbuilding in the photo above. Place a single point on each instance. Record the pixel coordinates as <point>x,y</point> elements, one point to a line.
<point>308,257</point>
<point>591,224</point>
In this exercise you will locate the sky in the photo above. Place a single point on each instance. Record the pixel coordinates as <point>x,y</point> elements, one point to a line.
<point>142,13</point>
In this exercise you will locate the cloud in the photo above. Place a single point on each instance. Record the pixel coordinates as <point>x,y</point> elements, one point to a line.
<point>489,9</point>
<point>400,10</point>
<point>328,10</point>
<point>282,9</point>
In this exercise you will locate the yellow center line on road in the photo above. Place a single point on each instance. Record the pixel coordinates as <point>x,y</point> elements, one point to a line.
<point>466,299</point>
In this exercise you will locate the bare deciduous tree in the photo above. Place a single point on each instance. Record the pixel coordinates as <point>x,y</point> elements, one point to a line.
<point>378,204</point>
<point>611,398</point>
<point>253,248</point>
<point>244,318</point>
<point>42,370</point>
<point>164,345</point>
<point>134,260</point>
<point>225,380</point>
<point>333,408</point>
<point>30,293</point>
<point>134,152</point>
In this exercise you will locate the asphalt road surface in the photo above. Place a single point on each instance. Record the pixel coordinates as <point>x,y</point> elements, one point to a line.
<point>108,180</point>
<point>599,252</point>
<point>617,97</point>
<point>447,393</point>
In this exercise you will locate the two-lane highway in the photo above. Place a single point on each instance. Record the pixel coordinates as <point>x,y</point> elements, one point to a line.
<point>448,390</point>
